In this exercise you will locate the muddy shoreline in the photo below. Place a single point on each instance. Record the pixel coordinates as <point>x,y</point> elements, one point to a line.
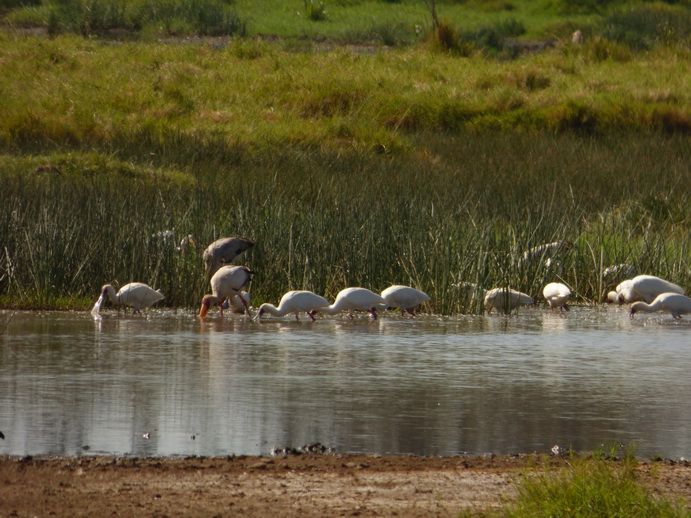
<point>292,486</point>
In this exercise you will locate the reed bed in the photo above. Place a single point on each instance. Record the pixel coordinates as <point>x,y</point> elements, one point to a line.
<point>324,221</point>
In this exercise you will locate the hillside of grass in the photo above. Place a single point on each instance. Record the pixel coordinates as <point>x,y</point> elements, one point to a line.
<point>436,160</point>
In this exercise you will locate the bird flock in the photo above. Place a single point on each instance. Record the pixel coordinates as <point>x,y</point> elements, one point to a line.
<point>229,290</point>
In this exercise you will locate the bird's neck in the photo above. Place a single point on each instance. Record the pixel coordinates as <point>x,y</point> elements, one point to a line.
<point>272,310</point>
<point>110,291</point>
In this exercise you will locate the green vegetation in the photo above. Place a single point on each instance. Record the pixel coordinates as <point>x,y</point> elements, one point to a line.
<point>591,486</point>
<point>428,164</point>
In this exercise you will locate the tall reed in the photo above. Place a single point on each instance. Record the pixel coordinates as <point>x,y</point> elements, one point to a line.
<point>464,210</point>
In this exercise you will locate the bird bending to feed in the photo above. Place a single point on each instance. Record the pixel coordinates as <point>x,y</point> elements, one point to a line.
<point>356,299</point>
<point>404,298</point>
<point>644,288</point>
<point>673,303</point>
<point>135,294</point>
<point>622,293</point>
<point>295,302</point>
<point>505,299</point>
<point>223,251</point>
<point>557,294</point>
<point>228,281</point>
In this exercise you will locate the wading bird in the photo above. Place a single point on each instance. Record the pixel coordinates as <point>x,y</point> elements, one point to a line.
<point>228,281</point>
<point>404,298</point>
<point>356,299</point>
<point>557,294</point>
<point>295,302</point>
<point>135,294</point>
<point>222,251</point>
<point>505,299</point>
<point>673,303</point>
<point>645,288</point>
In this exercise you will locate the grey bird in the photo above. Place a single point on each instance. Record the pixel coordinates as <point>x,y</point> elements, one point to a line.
<point>222,251</point>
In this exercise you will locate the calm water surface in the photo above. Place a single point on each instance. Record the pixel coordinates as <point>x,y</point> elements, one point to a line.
<point>73,385</point>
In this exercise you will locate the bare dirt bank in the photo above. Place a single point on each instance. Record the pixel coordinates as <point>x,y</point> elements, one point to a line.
<point>293,486</point>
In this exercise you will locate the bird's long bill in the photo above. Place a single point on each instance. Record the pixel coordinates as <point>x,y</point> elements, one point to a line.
<point>204,310</point>
<point>96,310</point>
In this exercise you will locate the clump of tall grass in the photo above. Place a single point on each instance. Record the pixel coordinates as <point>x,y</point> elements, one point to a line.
<point>590,486</point>
<point>314,10</point>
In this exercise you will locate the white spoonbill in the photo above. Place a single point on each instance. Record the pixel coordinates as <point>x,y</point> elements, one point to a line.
<point>228,281</point>
<point>646,288</point>
<point>135,294</point>
<point>295,302</point>
<point>404,298</point>
<point>673,303</point>
<point>505,299</point>
<point>622,293</point>
<point>223,251</point>
<point>356,299</point>
<point>557,294</point>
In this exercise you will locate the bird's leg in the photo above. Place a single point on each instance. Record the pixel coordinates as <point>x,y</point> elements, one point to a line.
<point>244,303</point>
<point>297,317</point>
<point>221,301</point>
<point>410,312</point>
<point>311,314</point>
<point>373,312</point>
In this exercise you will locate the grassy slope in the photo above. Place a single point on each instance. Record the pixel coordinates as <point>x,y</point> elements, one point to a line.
<point>392,152</point>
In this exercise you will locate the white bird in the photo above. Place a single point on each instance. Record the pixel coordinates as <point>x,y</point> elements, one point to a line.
<point>546,250</point>
<point>295,302</point>
<point>135,294</point>
<point>356,299</point>
<point>228,281</point>
<point>404,298</point>
<point>557,294</point>
<point>235,304</point>
<point>645,288</point>
<point>673,303</point>
<point>223,251</point>
<point>617,271</point>
<point>505,299</point>
<point>622,293</point>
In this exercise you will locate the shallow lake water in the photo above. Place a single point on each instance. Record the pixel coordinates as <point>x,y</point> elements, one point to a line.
<point>167,383</point>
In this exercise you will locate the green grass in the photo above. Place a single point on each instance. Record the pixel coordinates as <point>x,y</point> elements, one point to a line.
<point>403,22</point>
<point>348,168</point>
<point>324,220</point>
<point>590,487</point>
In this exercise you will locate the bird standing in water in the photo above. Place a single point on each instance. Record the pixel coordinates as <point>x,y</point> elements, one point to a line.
<point>228,281</point>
